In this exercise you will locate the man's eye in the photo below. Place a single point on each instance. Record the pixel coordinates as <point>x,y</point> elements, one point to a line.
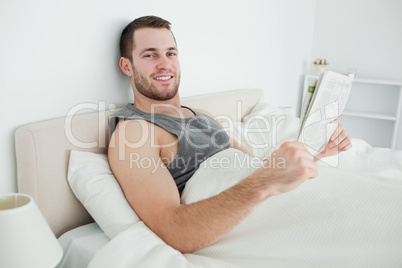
<point>148,56</point>
<point>171,54</point>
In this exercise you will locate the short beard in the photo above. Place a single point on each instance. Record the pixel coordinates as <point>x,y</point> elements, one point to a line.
<point>150,91</point>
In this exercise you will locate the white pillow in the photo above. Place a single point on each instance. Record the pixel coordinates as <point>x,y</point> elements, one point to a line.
<point>94,184</point>
<point>264,129</point>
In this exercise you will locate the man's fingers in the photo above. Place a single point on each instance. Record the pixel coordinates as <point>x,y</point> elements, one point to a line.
<point>342,136</point>
<point>345,144</point>
<point>296,149</point>
<point>347,147</point>
<point>336,132</point>
<point>313,173</point>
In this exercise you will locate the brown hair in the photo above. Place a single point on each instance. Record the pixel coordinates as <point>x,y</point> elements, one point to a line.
<point>127,36</point>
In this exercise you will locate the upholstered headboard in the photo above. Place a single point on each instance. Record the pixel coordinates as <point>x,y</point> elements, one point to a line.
<point>43,151</point>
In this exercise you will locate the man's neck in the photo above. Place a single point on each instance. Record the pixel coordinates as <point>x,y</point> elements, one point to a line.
<point>170,107</point>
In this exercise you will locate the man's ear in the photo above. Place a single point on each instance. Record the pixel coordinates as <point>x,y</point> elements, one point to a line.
<point>125,66</point>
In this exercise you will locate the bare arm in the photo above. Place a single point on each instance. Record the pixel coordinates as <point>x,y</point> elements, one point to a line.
<point>152,192</point>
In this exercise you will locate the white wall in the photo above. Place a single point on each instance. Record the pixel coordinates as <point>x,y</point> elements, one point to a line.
<point>365,35</point>
<point>57,54</point>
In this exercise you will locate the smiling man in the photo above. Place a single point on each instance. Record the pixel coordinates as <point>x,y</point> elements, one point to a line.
<point>176,139</point>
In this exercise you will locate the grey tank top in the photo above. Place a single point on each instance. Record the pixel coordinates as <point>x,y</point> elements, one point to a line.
<point>199,138</point>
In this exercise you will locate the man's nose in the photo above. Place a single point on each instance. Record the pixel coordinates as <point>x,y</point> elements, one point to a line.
<point>164,63</point>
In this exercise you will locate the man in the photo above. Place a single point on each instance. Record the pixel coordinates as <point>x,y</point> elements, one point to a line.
<point>157,129</point>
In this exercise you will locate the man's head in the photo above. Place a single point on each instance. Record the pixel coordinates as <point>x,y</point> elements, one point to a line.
<point>149,57</point>
<point>127,36</point>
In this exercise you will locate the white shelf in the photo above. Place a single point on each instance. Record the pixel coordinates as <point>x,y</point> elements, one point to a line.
<point>367,81</point>
<point>370,115</point>
<point>372,111</point>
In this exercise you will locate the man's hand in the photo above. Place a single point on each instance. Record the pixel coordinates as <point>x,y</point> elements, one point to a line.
<point>339,142</point>
<point>286,169</point>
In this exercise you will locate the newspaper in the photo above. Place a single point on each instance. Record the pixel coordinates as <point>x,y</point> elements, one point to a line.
<point>322,107</point>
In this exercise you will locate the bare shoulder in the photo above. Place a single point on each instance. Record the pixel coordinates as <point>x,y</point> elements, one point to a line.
<point>130,130</point>
<point>131,138</point>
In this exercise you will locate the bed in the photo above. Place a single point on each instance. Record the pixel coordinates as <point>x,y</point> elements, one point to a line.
<point>349,216</point>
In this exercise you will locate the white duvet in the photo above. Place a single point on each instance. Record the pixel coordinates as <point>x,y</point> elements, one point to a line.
<point>339,219</point>
<point>349,216</point>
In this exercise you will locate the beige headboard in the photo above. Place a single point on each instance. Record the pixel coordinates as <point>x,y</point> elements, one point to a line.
<point>43,151</point>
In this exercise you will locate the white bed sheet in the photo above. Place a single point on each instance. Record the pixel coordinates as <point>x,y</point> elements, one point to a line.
<point>339,219</point>
<point>80,245</point>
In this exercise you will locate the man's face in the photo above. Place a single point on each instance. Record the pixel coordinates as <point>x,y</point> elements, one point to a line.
<point>156,67</point>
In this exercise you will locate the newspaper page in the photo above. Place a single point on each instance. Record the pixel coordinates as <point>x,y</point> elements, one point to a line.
<point>307,98</point>
<point>324,110</point>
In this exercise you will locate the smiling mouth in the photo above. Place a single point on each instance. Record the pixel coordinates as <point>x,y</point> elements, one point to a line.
<point>163,78</point>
